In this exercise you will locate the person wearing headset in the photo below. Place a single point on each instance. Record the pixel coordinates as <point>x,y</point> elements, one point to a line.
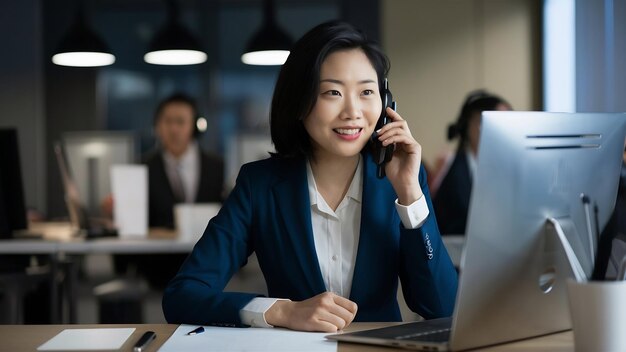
<point>179,170</point>
<point>453,194</point>
<point>331,237</point>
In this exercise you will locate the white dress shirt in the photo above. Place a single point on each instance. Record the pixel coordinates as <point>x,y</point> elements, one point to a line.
<point>336,238</point>
<point>184,171</point>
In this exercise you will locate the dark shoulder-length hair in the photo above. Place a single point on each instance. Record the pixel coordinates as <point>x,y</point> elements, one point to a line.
<point>476,102</point>
<point>297,86</point>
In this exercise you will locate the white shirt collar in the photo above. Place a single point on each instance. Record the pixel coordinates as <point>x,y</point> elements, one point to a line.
<point>355,191</point>
<point>189,156</point>
<point>184,171</point>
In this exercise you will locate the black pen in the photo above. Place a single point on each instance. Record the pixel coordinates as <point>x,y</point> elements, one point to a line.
<point>144,341</point>
<point>196,331</point>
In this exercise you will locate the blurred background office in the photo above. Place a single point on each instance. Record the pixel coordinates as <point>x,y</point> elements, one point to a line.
<point>555,55</point>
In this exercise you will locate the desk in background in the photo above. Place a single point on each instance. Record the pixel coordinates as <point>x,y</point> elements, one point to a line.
<point>58,244</point>
<point>16,338</point>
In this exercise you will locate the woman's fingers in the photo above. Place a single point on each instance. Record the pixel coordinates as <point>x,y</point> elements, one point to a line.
<point>394,115</point>
<point>346,303</point>
<point>327,316</point>
<point>324,326</point>
<point>399,139</point>
<point>326,312</point>
<point>343,313</point>
<point>337,310</point>
<point>396,125</point>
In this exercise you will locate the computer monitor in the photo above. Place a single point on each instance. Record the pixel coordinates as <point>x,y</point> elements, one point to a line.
<point>533,167</point>
<point>90,156</point>
<point>12,209</point>
<point>528,231</point>
<point>83,224</point>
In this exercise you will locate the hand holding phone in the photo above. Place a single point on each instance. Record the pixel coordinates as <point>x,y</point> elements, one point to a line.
<point>382,155</point>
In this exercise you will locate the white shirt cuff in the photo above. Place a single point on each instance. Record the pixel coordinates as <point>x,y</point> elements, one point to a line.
<point>414,215</point>
<point>253,313</point>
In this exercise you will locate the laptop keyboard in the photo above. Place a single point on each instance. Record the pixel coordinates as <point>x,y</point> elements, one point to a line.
<point>427,336</point>
<point>435,330</point>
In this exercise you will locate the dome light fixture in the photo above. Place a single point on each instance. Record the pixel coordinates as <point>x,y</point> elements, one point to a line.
<point>174,44</point>
<point>81,46</point>
<point>270,45</point>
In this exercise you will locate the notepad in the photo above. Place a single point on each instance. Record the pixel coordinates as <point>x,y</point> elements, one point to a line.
<point>88,340</point>
<point>218,339</point>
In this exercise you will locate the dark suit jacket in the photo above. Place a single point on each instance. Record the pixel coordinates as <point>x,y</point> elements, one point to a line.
<point>268,212</point>
<point>161,197</point>
<point>453,197</point>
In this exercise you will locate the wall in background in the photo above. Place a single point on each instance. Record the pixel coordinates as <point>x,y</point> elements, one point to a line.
<point>600,55</point>
<point>21,90</point>
<point>442,49</point>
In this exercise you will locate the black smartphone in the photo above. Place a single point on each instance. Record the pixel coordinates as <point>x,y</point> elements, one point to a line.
<point>382,155</point>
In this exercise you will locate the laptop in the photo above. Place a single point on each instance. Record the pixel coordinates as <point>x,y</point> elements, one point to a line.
<point>528,231</point>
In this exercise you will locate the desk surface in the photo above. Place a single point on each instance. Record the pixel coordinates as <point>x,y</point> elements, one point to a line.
<point>28,337</point>
<point>57,238</point>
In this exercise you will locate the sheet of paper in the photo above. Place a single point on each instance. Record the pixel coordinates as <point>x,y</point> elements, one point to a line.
<point>88,339</point>
<point>247,339</point>
<point>130,199</point>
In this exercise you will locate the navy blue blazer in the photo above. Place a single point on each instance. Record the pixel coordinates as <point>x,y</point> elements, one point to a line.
<point>268,212</point>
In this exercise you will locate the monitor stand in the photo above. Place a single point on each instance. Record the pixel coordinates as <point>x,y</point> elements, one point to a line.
<point>558,231</point>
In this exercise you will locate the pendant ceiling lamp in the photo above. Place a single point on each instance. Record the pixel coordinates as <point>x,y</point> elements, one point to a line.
<point>81,46</point>
<point>174,44</point>
<point>270,45</point>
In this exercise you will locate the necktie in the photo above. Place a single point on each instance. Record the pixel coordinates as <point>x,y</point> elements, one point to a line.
<point>177,185</point>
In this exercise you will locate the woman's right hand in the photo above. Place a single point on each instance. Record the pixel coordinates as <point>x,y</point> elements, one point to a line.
<point>326,312</point>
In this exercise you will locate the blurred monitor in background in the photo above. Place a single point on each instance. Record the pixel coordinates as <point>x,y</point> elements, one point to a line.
<point>34,307</point>
<point>83,223</point>
<point>90,156</point>
<point>12,209</point>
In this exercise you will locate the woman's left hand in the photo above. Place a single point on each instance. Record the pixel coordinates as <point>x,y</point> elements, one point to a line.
<point>403,169</point>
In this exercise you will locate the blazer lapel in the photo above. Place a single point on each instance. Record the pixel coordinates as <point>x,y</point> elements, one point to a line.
<point>376,223</point>
<point>292,198</point>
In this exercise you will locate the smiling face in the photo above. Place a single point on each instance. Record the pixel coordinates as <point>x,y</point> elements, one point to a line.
<point>347,107</point>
